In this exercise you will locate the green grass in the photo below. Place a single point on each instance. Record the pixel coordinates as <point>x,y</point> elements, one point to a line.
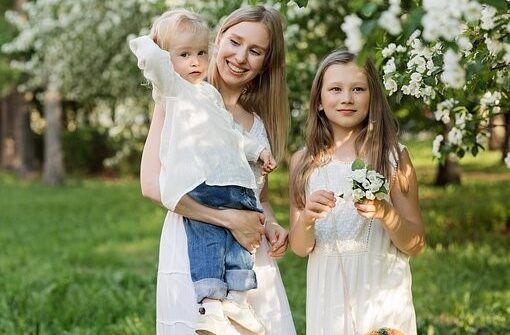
<point>81,259</point>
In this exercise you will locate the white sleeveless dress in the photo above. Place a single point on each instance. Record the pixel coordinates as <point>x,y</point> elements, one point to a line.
<point>176,307</point>
<point>377,274</point>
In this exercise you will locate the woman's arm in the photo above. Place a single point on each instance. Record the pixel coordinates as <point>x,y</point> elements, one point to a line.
<point>275,234</point>
<point>246,226</point>
<point>403,220</point>
<point>151,165</point>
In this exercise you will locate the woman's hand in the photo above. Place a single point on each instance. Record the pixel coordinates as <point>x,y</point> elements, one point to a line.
<point>373,209</point>
<point>277,237</point>
<point>247,227</point>
<point>317,206</point>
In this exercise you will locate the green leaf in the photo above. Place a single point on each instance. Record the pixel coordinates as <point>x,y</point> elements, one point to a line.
<point>367,27</point>
<point>431,81</point>
<point>474,150</point>
<point>369,9</point>
<point>358,164</point>
<point>499,4</point>
<point>414,21</point>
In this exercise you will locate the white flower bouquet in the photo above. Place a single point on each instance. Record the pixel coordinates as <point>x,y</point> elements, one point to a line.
<point>366,184</point>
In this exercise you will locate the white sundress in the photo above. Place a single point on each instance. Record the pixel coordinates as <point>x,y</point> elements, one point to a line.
<point>176,307</point>
<point>377,274</point>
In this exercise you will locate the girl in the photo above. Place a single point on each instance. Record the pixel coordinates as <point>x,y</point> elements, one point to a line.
<point>248,63</point>
<point>358,276</point>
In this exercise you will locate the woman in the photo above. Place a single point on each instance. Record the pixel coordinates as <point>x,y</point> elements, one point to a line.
<point>248,68</point>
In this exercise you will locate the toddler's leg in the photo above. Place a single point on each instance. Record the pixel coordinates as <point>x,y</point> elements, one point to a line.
<point>206,251</point>
<point>240,278</point>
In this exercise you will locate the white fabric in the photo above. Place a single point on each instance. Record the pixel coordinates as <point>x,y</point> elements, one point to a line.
<point>199,140</point>
<point>377,274</point>
<point>177,309</point>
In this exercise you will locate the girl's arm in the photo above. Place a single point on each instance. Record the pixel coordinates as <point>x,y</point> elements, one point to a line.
<point>275,234</point>
<point>302,220</point>
<point>403,220</point>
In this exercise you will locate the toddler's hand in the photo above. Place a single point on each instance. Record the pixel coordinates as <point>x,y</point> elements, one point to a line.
<point>268,162</point>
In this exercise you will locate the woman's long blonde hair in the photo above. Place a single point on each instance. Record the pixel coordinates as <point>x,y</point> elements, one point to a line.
<point>376,141</point>
<point>266,94</point>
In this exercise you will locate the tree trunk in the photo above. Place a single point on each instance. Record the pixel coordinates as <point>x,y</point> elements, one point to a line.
<point>497,130</point>
<point>506,142</point>
<point>25,140</point>
<point>10,158</point>
<point>53,171</point>
<point>449,172</point>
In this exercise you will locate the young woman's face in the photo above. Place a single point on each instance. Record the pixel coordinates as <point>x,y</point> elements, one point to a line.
<point>345,95</point>
<point>241,53</point>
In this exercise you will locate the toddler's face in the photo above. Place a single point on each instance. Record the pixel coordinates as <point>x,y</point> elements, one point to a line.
<point>189,55</point>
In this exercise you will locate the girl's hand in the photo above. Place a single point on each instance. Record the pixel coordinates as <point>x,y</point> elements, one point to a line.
<point>247,227</point>
<point>317,206</point>
<point>373,209</point>
<point>277,237</point>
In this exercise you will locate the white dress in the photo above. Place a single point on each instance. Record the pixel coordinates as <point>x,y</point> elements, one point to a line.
<point>377,274</point>
<point>177,310</point>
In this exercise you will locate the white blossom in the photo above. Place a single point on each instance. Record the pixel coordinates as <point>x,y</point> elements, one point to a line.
<point>401,48</point>
<point>414,37</point>
<point>351,27</point>
<point>453,74</point>
<point>506,57</point>
<point>455,136</point>
<point>488,13</point>
<point>390,21</point>
<point>369,195</point>
<point>507,160</point>
<point>494,46</point>
<point>358,195</point>
<point>472,11</point>
<point>390,85</point>
<point>389,50</point>
<point>443,110</point>
<point>436,146</point>
<point>359,175</point>
<point>390,66</point>
<point>464,43</point>
<point>482,138</point>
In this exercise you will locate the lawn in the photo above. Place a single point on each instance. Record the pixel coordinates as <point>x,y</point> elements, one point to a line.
<point>82,259</point>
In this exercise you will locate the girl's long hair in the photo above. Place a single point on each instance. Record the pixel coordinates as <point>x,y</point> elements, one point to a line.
<point>266,94</point>
<point>376,142</point>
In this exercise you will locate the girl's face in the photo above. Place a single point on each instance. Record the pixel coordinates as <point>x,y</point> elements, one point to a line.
<point>345,95</point>
<point>241,53</point>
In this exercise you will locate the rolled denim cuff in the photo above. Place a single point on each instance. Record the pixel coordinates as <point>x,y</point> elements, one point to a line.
<point>210,288</point>
<point>240,280</point>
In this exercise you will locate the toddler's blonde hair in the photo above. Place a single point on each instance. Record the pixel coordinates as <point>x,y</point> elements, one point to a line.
<point>177,20</point>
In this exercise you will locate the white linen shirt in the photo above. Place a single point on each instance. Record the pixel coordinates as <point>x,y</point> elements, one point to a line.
<point>200,141</point>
